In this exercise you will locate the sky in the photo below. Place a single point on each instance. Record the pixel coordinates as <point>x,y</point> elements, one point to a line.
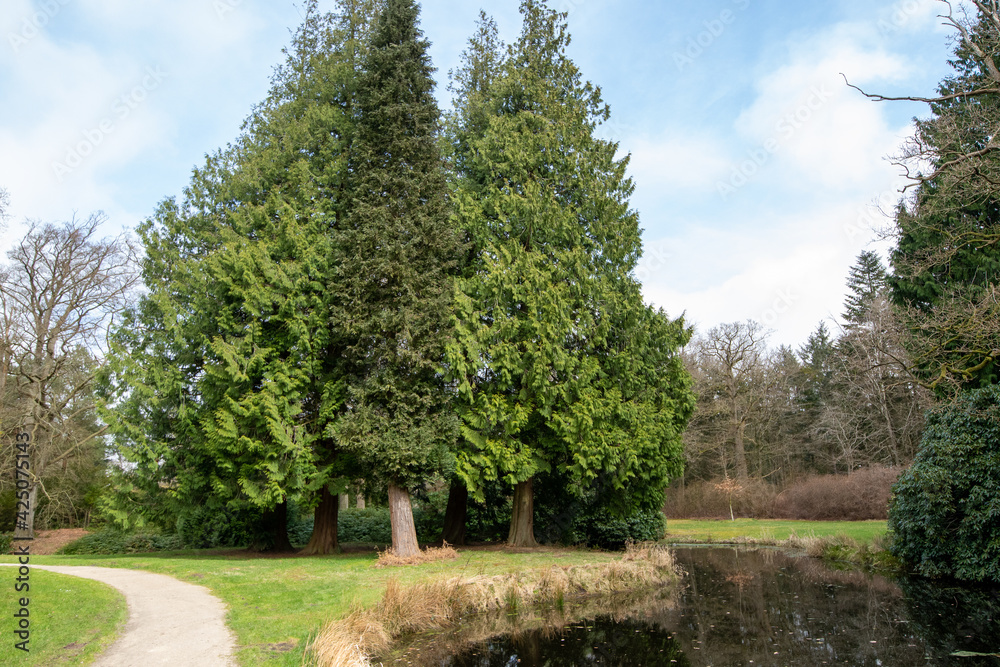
<point>759,174</point>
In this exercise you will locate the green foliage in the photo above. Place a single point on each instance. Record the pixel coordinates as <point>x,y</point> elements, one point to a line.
<point>205,528</point>
<point>370,525</point>
<point>603,529</point>
<point>6,540</point>
<point>225,377</point>
<point>397,254</point>
<point>867,280</point>
<point>945,509</point>
<point>110,541</point>
<point>558,364</point>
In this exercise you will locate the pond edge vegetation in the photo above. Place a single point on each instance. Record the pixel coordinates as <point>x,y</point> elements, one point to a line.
<point>444,604</point>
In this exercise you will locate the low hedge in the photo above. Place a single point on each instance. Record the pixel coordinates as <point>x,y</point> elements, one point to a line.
<point>113,542</point>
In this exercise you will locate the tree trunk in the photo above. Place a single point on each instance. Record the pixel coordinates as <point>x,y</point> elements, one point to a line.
<point>344,501</point>
<point>275,524</point>
<point>455,514</point>
<point>360,501</point>
<point>404,532</point>
<point>522,521</point>
<point>324,535</point>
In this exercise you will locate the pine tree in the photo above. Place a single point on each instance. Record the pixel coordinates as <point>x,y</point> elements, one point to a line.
<point>399,254</point>
<point>867,280</point>
<point>548,356</point>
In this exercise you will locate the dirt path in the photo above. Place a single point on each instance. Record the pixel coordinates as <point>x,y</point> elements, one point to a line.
<point>169,622</point>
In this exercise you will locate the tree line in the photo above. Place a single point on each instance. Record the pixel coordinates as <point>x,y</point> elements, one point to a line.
<point>360,288</point>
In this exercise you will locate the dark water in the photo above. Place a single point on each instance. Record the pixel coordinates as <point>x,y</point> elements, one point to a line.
<point>746,607</point>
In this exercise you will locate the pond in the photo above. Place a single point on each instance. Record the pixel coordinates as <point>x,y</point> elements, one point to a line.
<point>755,607</point>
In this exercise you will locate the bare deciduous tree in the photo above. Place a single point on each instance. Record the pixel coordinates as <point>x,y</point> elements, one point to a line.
<point>875,412</point>
<point>731,367</point>
<point>59,292</point>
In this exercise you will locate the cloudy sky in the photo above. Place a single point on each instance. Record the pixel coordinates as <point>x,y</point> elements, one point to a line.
<point>758,173</point>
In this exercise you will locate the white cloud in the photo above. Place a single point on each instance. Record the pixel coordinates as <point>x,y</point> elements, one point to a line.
<point>674,161</point>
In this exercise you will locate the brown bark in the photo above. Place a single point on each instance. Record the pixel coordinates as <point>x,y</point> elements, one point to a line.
<point>404,532</point>
<point>324,536</point>
<point>522,521</point>
<point>455,514</point>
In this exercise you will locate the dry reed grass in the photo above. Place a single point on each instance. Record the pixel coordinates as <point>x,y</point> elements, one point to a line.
<point>439,605</point>
<point>389,559</point>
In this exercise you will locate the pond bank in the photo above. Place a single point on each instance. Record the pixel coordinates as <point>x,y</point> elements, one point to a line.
<point>446,604</point>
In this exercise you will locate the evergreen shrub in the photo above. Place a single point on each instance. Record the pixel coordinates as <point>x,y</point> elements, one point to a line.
<point>945,510</point>
<point>115,542</point>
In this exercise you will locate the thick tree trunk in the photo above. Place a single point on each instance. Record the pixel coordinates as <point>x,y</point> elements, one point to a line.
<point>404,532</point>
<point>275,524</point>
<point>455,513</point>
<point>324,535</point>
<point>361,501</point>
<point>344,501</point>
<point>522,521</point>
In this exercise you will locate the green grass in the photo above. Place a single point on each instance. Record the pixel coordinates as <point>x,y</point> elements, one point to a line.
<point>277,605</point>
<point>72,619</point>
<point>770,530</point>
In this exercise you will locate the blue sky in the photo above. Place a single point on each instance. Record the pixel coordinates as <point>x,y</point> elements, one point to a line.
<point>757,171</point>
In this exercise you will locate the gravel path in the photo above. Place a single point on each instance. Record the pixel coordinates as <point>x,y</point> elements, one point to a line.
<point>170,622</point>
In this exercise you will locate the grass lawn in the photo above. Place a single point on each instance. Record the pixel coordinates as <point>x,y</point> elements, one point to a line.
<point>72,619</point>
<point>769,530</point>
<point>277,604</point>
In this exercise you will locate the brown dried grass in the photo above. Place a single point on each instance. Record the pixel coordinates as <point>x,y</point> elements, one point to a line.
<point>438,605</point>
<point>389,559</point>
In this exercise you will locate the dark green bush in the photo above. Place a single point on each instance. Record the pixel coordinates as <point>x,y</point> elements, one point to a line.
<point>945,509</point>
<point>208,528</point>
<point>370,524</point>
<point>111,541</point>
<point>603,529</point>
<point>6,539</point>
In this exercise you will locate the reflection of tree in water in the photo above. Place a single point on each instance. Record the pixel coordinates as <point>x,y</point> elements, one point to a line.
<point>599,642</point>
<point>767,607</point>
<point>951,619</point>
<point>763,606</point>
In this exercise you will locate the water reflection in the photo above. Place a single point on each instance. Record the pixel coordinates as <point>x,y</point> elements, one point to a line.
<point>747,607</point>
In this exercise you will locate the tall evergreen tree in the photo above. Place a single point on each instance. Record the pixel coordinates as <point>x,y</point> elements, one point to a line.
<point>482,62</point>
<point>559,366</point>
<point>867,280</point>
<point>227,374</point>
<point>399,252</point>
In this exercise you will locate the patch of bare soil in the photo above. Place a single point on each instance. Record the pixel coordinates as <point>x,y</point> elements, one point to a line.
<point>47,542</point>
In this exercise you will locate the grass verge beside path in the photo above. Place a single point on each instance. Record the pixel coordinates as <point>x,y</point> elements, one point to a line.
<point>768,531</point>
<point>278,604</point>
<point>72,619</point>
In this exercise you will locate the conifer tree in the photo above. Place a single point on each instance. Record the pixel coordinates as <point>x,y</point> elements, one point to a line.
<point>482,63</point>
<point>559,366</point>
<point>228,374</point>
<point>867,280</point>
<point>399,252</point>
